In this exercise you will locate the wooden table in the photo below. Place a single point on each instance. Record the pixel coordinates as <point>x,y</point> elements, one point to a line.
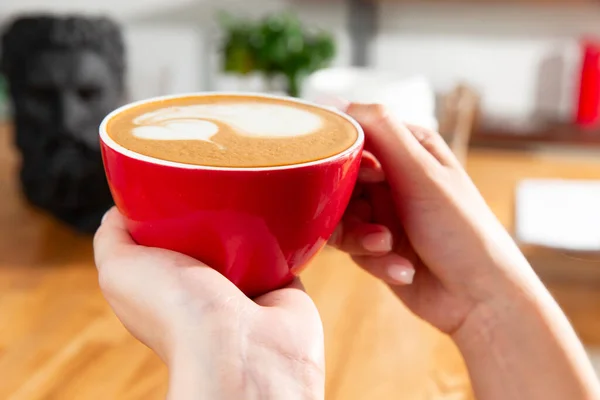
<point>59,340</point>
<point>574,279</point>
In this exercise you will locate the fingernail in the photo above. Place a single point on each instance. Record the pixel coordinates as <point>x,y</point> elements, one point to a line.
<point>400,274</point>
<point>377,242</point>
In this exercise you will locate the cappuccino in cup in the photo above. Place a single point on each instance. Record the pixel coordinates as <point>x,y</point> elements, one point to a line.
<point>251,185</point>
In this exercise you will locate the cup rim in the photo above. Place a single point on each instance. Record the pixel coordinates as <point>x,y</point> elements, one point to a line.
<point>108,141</point>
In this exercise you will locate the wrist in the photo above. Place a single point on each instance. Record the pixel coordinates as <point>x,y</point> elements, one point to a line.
<point>227,370</point>
<point>187,382</point>
<point>198,363</point>
<point>508,288</point>
<point>189,377</point>
<point>510,302</point>
<point>270,374</point>
<point>287,380</point>
<point>481,324</point>
<point>519,344</point>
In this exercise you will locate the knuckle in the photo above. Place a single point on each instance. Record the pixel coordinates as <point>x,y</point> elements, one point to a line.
<point>378,113</point>
<point>428,139</point>
<point>422,134</point>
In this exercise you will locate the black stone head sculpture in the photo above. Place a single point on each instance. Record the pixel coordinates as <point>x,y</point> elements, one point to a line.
<point>64,75</point>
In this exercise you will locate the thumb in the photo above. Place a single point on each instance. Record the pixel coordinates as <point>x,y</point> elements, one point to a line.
<point>292,298</point>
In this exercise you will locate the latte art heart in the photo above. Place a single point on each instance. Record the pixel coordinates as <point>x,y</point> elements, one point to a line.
<point>247,119</point>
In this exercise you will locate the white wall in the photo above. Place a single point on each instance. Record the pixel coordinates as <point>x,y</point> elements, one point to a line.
<point>523,59</point>
<point>164,59</point>
<point>116,8</point>
<point>329,15</point>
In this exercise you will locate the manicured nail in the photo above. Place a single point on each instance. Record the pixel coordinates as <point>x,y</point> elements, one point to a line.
<point>379,242</point>
<point>400,274</point>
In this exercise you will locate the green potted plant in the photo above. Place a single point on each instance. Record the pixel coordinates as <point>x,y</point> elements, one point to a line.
<point>277,46</point>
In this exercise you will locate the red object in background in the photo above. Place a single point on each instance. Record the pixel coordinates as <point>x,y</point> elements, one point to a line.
<point>588,110</point>
<point>259,227</point>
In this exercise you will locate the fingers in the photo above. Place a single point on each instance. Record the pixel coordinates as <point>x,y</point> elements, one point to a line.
<point>384,210</point>
<point>434,144</point>
<point>111,237</point>
<point>282,296</point>
<point>296,312</point>
<point>357,235</point>
<point>292,298</point>
<point>391,142</point>
<point>400,149</point>
<point>370,169</point>
<point>371,115</point>
<point>392,268</point>
<point>359,238</point>
<point>359,209</point>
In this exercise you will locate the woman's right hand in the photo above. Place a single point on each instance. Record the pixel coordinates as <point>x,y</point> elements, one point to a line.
<point>415,213</point>
<point>417,222</point>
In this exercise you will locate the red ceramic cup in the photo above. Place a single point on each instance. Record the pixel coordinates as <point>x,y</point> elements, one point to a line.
<point>259,227</point>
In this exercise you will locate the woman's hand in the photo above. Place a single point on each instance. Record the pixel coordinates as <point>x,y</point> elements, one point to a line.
<point>217,343</point>
<point>417,222</point>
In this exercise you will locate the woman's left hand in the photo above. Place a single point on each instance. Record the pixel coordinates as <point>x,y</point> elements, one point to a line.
<point>217,343</point>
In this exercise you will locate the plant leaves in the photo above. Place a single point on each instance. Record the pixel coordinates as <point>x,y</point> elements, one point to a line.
<point>277,44</point>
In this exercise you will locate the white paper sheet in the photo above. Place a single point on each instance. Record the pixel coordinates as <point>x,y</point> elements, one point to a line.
<point>563,214</point>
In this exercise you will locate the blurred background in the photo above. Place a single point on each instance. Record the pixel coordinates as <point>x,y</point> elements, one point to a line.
<point>512,85</point>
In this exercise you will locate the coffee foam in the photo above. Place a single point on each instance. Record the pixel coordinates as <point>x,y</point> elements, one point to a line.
<point>231,130</point>
<point>193,122</point>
